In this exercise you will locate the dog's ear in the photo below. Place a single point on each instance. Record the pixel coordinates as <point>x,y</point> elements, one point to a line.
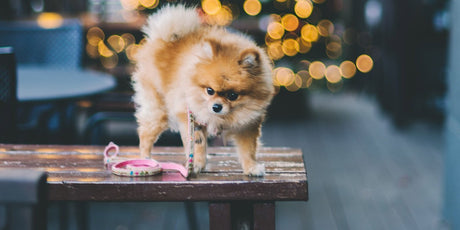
<point>209,48</point>
<point>250,61</point>
<point>204,51</point>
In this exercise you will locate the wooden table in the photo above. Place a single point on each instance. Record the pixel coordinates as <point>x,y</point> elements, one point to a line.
<point>40,83</point>
<point>77,173</point>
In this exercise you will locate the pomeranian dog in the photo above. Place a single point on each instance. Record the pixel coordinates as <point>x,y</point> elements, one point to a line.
<point>224,79</point>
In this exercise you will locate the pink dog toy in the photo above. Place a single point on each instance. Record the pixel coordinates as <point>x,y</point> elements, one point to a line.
<point>137,167</point>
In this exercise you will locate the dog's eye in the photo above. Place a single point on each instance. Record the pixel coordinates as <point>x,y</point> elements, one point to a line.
<point>232,96</point>
<point>210,91</point>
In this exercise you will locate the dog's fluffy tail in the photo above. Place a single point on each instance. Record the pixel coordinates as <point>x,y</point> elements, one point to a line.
<point>172,22</point>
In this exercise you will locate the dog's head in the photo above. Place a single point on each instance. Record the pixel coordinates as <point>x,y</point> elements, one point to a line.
<point>231,83</point>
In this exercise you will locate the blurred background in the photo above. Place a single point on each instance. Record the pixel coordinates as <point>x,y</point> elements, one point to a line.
<point>363,89</point>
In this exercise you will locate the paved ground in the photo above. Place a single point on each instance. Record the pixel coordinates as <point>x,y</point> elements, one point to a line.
<point>363,174</point>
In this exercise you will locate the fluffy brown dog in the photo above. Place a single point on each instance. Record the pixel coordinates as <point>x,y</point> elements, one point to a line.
<point>223,78</point>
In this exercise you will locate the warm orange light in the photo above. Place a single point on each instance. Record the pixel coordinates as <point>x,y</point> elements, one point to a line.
<point>325,28</point>
<point>49,20</point>
<point>149,3</point>
<point>364,63</point>
<point>128,39</point>
<point>131,52</point>
<point>110,61</point>
<point>295,85</point>
<point>305,77</point>
<point>317,70</point>
<point>275,50</point>
<point>252,7</point>
<point>92,51</point>
<point>333,50</point>
<point>304,46</point>
<point>333,74</point>
<point>211,7</point>
<point>290,22</point>
<point>275,30</point>
<point>104,50</point>
<point>347,69</point>
<point>303,8</point>
<point>290,47</point>
<point>309,33</point>
<point>224,16</point>
<point>284,76</point>
<point>95,35</point>
<point>117,43</point>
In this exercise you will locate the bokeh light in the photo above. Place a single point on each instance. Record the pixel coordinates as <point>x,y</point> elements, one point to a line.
<point>149,3</point>
<point>109,62</point>
<point>304,46</point>
<point>290,22</point>
<point>309,33</point>
<point>325,28</point>
<point>290,47</point>
<point>317,70</point>
<point>117,43</point>
<point>303,8</point>
<point>92,51</point>
<point>49,20</point>
<point>283,76</point>
<point>306,78</point>
<point>252,7</point>
<point>364,63</point>
<point>95,35</point>
<point>128,39</point>
<point>347,69</point>
<point>333,50</point>
<point>275,30</point>
<point>104,50</point>
<point>223,17</point>
<point>211,7</point>
<point>333,74</point>
<point>275,50</point>
<point>131,52</point>
<point>295,85</point>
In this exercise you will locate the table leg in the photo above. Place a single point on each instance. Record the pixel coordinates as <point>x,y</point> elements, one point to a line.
<point>264,216</point>
<point>220,216</point>
<point>242,215</point>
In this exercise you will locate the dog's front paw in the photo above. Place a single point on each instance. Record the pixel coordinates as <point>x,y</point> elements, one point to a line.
<point>198,165</point>
<point>255,170</point>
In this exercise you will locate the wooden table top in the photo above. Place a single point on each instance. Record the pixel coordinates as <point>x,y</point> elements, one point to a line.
<point>77,173</point>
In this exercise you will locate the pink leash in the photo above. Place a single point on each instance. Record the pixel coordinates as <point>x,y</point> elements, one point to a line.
<point>137,167</point>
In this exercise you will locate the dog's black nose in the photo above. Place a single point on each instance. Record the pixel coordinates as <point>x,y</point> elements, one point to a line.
<point>217,108</point>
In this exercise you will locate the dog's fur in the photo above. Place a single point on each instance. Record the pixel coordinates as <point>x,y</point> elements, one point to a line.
<point>183,57</point>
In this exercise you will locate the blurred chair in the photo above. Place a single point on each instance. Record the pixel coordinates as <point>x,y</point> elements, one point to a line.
<point>59,47</point>
<point>8,98</point>
<point>105,126</point>
<point>23,199</point>
<point>34,45</point>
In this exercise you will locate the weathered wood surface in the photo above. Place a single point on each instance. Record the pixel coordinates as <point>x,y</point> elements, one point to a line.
<point>78,173</point>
